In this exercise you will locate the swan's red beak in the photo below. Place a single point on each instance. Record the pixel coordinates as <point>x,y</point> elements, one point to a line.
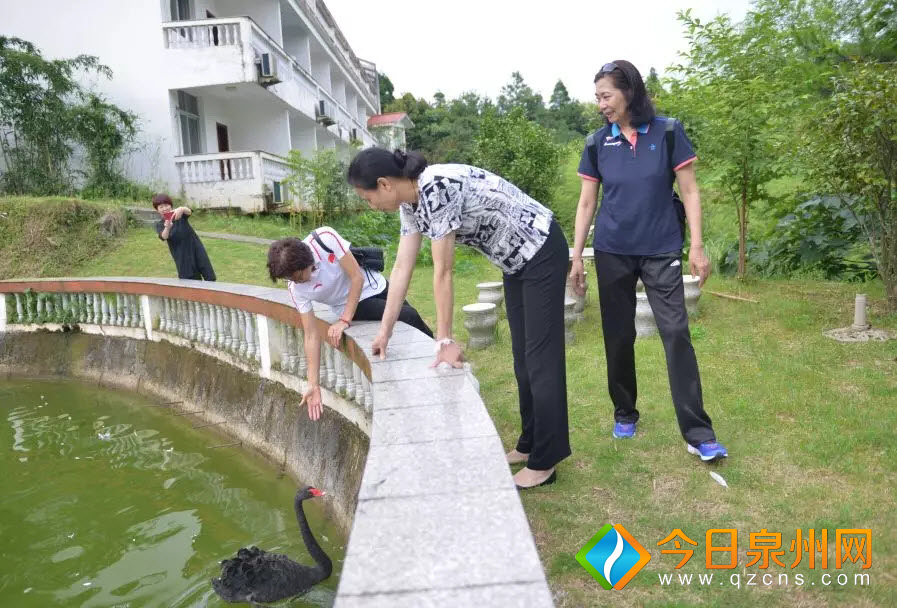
<point>315,492</point>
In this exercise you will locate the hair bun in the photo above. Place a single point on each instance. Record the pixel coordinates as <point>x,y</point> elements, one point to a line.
<point>400,156</point>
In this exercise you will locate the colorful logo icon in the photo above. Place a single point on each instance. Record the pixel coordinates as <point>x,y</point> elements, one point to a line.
<point>613,557</point>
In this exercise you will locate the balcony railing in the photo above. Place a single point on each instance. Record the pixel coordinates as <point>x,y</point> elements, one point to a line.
<point>232,179</point>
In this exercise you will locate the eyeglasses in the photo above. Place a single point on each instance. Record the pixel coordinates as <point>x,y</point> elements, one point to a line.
<point>608,67</point>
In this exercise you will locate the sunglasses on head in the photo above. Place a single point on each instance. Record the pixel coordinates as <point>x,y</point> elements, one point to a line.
<point>608,67</point>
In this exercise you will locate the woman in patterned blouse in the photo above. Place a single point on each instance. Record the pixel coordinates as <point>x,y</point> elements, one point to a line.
<point>459,203</point>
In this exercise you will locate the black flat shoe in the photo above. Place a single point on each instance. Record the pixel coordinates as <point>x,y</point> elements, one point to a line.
<point>550,480</point>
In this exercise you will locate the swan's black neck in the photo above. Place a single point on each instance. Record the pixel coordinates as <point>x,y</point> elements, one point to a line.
<point>314,549</point>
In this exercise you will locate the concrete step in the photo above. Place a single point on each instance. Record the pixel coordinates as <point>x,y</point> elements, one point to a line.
<point>145,215</point>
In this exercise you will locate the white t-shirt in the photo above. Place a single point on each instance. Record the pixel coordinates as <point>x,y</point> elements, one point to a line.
<point>329,283</point>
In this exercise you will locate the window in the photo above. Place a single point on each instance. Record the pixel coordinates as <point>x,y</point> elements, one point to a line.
<point>180,10</point>
<point>188,122</point>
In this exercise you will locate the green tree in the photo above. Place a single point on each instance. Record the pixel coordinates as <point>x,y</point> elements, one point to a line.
<point>44,113</point>
<point>518,94</point>
<point>319,181</point>
<point>855,156</point>
<point>732,97</point>
<point>521,151</point>
<point>386,91</point>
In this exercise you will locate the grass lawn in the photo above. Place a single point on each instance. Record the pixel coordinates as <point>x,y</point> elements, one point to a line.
<point>810,424</point>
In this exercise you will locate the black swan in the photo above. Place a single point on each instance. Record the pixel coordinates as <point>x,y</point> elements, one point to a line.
<point>257,576</point>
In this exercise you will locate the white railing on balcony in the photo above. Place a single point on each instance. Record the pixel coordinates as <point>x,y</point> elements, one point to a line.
<point>219,167</point>
<point>209,32</point>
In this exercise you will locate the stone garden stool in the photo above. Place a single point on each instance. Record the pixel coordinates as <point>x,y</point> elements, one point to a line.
<point>580,299</point>
<point>480,320</point>
<point>645,325</point>
<point>692,293</point>
<point>491,293</point>
<point>569,319</point>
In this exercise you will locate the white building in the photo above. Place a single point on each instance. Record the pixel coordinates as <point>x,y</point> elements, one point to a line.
<point>223,88</point>
<point>389,129</point>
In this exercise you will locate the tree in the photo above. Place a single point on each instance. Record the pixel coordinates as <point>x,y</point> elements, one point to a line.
<point>731,94</point>
<point>518,94</point>
<point>855,156</point>
<point>44,113</point>
<point>386,91</point>
<point>560,98</point>
<point>653,85</point>
<point>521,151</point>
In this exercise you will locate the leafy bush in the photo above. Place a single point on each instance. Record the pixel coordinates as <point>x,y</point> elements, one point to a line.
<point>820,238</point>
<point>520,151</point>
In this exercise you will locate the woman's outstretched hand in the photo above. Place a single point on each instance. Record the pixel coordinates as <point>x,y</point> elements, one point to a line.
<point>449,353</point>
<point>312,398</point>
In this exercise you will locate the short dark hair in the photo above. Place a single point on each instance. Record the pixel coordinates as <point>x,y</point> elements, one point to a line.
<point>626,77</point>
<point>161,199</point>
<point>373,163</point>
<point>286,256</point>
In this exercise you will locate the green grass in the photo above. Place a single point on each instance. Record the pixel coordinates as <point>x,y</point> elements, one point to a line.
<point>809,423</point>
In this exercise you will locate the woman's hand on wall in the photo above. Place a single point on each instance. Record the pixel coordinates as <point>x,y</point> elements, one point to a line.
<point>449,352</point>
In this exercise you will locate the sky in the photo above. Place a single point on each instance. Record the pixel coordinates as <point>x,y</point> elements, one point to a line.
<point>454,46</point>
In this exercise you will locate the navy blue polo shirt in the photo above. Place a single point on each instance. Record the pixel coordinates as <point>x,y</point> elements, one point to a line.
<point>637,215</point>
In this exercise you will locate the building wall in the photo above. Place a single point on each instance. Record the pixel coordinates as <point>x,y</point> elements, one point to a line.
<point>146,74</point>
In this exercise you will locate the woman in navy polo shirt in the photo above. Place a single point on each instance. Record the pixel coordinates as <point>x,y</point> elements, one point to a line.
<point>459,203</point>
<point>639,234</point>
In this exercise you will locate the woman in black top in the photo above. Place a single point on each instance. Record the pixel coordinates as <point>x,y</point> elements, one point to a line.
<point>189,255</point>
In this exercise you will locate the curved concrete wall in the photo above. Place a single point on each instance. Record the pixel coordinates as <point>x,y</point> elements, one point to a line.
<point>412,450</point>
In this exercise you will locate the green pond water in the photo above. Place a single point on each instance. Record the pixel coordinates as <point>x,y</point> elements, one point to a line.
<point>107,502</point>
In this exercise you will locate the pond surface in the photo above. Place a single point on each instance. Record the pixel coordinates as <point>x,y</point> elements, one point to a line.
<point>108,502</point>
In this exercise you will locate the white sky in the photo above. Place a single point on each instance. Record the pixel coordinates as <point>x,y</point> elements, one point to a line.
<point>454,46</point>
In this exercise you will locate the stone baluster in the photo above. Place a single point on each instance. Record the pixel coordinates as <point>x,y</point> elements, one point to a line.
<point>328,366</point>
<point>339,384</point>
<point>118,318</point>
<point>108,305</point>
<point>40,308</point>
<point>349,372</point>
<point>83,314</point>
<point>224,326</point>
<point>251,349</point>
<point>213,325</point>
<point>20,314</point>
<point>368,395</point>
<point>135,312</point>
<point>218,327</point>
<point>255,319</point>
<point>242,347</point>
<point>287,357</point>
<point>302,362</point>
<point>235,331</point>
<point>359,385</point>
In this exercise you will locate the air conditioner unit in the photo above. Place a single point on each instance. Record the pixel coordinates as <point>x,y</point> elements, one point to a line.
<point>267,66</point>
<point>324,113</point>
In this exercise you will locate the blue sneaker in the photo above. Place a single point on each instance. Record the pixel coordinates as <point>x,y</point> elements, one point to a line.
<point>709,451</point>
<point>624,430</point>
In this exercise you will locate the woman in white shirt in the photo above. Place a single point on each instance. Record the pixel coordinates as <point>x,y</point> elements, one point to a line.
<point>319,270</point>
<point>459,203</point>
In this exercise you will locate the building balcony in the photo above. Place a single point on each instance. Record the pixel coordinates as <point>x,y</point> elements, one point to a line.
<point>224,52</point>
<point>252,181</point>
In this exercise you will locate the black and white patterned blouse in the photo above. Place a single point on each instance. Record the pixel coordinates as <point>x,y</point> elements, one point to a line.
<point>486,212</point>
